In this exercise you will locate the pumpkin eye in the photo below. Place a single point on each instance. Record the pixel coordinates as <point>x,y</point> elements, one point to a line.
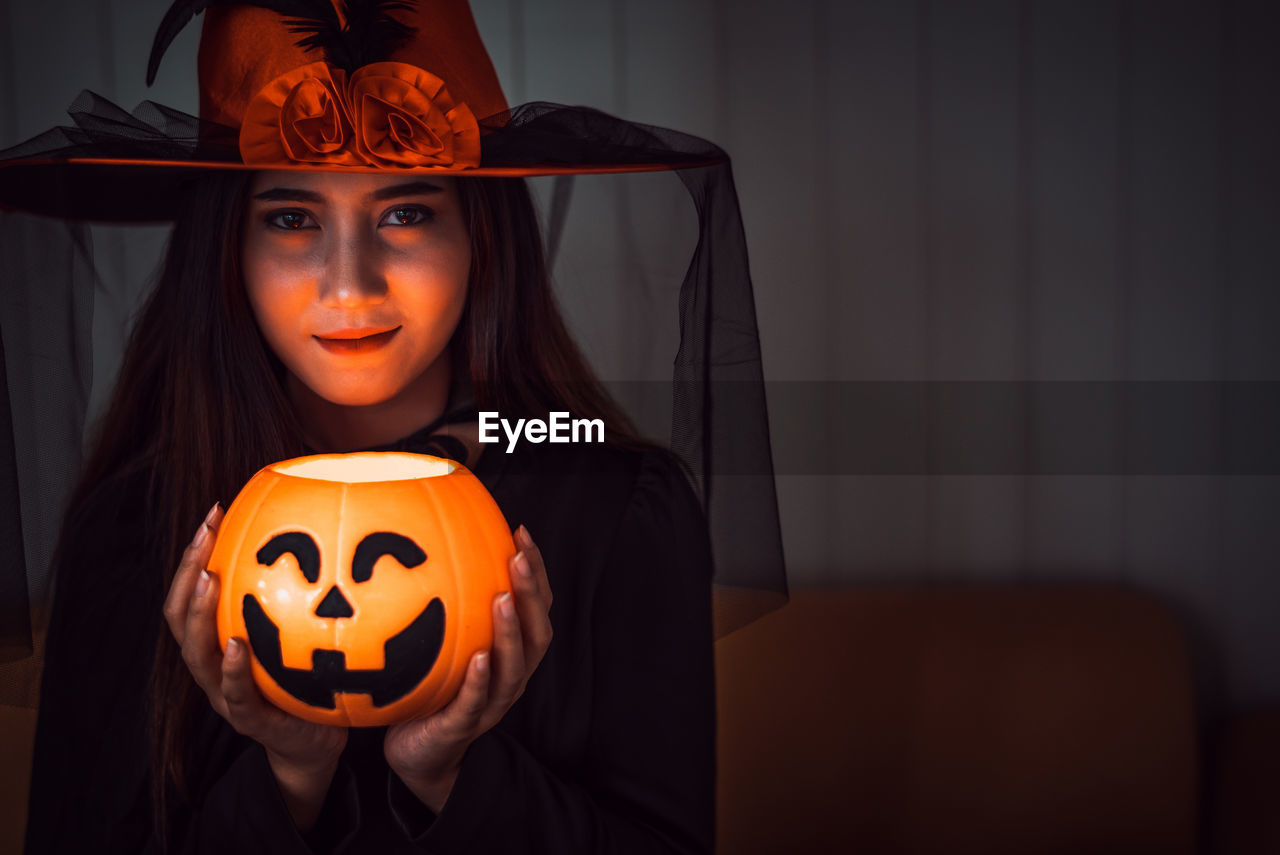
<point>303,548</point>
<point>381,543</point>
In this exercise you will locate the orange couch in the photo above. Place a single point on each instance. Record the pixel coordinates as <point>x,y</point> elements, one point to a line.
<point>1019,719</point>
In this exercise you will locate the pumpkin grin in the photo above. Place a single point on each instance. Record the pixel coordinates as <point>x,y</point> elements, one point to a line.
<point>409,656</point>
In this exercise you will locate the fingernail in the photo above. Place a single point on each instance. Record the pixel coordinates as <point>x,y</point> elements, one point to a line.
<point>522,565</point>
<point>522,534</point>
<point>482,661</point>
<point>234,649</point>
<point>202,535</point>
<point>506,605</point>
<point>202,584</point>
<point>208,518</point>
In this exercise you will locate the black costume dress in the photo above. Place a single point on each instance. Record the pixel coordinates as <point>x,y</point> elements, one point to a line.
<point>610,749</point>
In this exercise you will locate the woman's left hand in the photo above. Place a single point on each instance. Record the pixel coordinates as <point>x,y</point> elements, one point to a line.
<point>427,752</point>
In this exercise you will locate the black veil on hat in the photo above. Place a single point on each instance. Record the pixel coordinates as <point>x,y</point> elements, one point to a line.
<point>376,86</point>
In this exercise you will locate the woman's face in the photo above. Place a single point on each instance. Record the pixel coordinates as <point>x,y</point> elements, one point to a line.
<point>357,281</point>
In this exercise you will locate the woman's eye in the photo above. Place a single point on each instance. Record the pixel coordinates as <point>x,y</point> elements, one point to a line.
<point>408,216</point>
<point>289,220</point>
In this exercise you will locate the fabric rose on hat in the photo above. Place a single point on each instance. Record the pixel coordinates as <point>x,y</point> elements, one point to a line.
<point>301,116</point>
<point>404,116</point>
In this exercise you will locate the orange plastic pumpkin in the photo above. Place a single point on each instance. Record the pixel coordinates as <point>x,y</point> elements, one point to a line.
<point>363,582</point>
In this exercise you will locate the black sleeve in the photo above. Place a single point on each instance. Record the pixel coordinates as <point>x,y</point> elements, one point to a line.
<point>649,785</point>
<point>243,812</point>
<point>90,782</point>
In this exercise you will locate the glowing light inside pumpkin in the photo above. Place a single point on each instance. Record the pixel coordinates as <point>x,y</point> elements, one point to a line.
<point>366,468</point>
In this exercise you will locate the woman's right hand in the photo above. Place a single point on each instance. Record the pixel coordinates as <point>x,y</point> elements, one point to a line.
<point>303,755</point>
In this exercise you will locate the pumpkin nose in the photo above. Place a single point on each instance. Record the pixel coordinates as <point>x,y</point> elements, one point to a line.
<point>334,605</point>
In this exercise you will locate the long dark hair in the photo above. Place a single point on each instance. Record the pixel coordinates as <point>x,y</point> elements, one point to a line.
<point>200,391</point>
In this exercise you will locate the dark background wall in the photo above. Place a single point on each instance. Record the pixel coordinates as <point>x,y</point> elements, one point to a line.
<point>1026,195</point>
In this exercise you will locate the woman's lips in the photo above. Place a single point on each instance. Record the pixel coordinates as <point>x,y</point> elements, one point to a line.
<point>347,342</point>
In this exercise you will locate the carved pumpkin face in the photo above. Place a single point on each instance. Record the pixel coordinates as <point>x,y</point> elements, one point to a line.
<point>363,582</point>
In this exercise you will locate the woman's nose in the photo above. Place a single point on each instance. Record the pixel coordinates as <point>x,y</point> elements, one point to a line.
<point>353,271</point>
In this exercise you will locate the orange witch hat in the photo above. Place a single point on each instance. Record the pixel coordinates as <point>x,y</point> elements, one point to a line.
<point>353,85</point>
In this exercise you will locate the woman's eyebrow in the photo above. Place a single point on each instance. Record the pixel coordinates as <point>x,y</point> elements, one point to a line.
<point>409,188</point>
<point>293,194</point>
<point>288,194</point>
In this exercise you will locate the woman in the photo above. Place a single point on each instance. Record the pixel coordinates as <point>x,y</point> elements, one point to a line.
<point>228,355</point>
<point>325,218</point>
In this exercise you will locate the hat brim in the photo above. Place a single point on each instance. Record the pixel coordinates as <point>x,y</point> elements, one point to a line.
<point>141,191</point>
<point>114,166</point>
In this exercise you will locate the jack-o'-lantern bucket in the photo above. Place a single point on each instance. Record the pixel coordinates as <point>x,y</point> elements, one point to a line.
<point>363,582</point>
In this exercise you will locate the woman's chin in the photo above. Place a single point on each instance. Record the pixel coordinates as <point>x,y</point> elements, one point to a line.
<point>358,397</point>
<point>351,391</point>
<point>366,385</point>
